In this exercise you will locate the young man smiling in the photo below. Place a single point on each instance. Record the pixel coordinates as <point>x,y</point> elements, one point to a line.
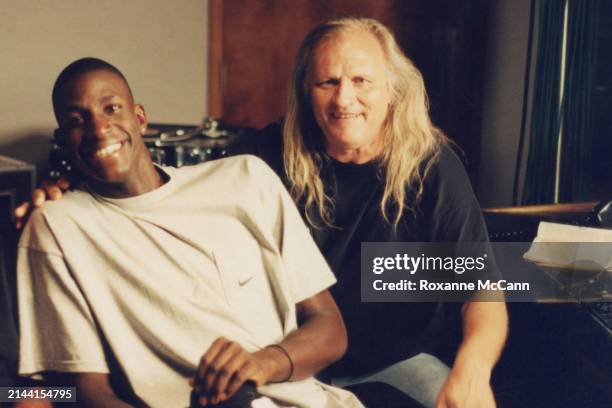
<point>146,283</point>
<point>100,126</point>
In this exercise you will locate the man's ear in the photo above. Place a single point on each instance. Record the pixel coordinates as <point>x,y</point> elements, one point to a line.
<point>58,138</point>
<point>141,115</point>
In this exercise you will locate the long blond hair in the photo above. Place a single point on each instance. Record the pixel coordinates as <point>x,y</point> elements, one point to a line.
<point>410,141</point>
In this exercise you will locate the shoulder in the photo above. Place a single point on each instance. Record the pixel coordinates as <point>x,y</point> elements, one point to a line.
<point>257,172</point>
<point>449,200</point>
<point>447,162</point>
<point>70,205</point>
<point>244,172</point>
<point>39,232</point>
<point>265,143</point>
<point>446,186</point>
<point>445,170</point>
<point>36,233</point>
<point>243,165</point>
<point>257,141</point>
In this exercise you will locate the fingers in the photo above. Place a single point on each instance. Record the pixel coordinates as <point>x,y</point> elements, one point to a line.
<point>39,196</point>
<point>212,365</point>
<point>207,360</point>
<point>247,372</point>
<point>222,370</point>
<point>452,394</point>
<point>22,210</point>
<point>20,214</point>
<point>236,372</point>
<point>64,183</point>
<point>50,189</point>
<point>223,365</point>
<point>473,397</point>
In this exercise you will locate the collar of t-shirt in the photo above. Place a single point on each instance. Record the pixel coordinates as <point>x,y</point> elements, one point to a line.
<point>150,198</point>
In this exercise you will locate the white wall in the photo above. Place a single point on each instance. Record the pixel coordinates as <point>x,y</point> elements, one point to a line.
<point>506,53</point>
<point>161,47</point>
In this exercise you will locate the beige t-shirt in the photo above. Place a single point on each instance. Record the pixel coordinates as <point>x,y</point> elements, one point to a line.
<point>149,282</point>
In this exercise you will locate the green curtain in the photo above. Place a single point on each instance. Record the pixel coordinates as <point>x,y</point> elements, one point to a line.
<point>545,116</point>
<point>579,90</point>
<point>575,112</point>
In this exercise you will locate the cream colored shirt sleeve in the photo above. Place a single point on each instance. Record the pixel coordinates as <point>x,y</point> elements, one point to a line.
<point>57,330</point>
<point>307,270</point>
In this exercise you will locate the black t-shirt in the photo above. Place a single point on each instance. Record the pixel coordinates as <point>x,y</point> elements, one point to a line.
<point>382,333</point>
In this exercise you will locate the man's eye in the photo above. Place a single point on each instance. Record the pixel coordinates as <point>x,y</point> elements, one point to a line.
<point>360,81</point>
<point>72,121</point>
<point>327,83</point>
<point>113,108</point>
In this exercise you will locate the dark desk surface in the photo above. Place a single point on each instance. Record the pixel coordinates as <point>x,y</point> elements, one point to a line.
<point>557,354</point>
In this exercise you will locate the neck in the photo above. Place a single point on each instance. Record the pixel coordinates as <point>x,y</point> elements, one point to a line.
<point>144,179</point>
<point>357,155</point>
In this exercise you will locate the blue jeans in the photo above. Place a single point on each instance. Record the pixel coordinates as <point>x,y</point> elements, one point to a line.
<point>421,377</point>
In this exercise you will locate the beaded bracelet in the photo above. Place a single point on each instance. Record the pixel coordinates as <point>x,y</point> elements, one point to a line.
<point>291,366</point>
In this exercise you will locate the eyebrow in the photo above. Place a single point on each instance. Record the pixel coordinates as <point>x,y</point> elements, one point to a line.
<point>70,109</point>
<point>108,98</point>
<point>104,99</point>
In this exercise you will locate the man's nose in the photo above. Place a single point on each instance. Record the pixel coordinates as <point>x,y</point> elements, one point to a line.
<point>345,93</point>
<point>99,125</point>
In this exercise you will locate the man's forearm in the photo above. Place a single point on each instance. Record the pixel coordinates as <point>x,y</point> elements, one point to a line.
<point>485,328</point>
<point>319,341</point>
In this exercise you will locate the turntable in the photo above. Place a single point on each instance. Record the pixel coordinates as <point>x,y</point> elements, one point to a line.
<point>175,145</point>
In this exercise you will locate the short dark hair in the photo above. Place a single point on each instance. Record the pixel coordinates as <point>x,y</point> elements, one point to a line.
<point>79,67</point>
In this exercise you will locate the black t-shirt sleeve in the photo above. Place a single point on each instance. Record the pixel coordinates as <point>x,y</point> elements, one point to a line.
<point>453,211</point>
<point>265,143</point>
<point>456,217</point>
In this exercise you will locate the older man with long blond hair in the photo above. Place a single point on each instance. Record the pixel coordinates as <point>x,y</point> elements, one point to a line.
<point>361,157</point>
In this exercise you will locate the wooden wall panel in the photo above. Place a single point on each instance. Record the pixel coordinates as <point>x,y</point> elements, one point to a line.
<point>258,40</point>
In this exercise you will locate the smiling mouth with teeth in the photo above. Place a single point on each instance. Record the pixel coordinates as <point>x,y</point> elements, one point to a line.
<point>105,151</point>
<point>345,115</point>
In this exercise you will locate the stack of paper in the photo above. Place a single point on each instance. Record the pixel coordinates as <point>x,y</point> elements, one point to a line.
<point>572,247</point>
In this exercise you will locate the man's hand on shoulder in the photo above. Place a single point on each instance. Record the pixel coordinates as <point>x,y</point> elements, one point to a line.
<point>48,190</point>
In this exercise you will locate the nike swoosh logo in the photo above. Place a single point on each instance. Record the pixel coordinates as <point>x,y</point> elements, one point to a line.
<point>245,281</point>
